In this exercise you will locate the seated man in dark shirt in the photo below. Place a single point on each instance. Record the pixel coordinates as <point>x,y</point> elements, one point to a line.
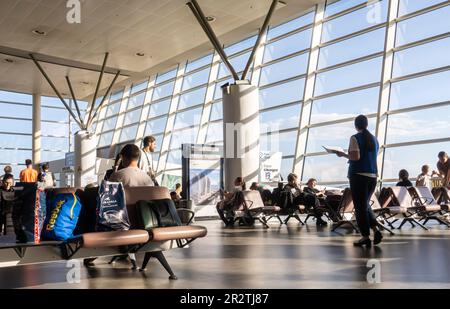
<point>403,175</point>
<point>443,166</point>
<point>6,200</point>
<point>321,198</point>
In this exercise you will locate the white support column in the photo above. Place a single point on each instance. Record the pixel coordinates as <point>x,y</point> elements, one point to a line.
<point>170,121</point>
<point>309,90</point>
<point>383,106</point>
<point>85,158</point>
<point>145,109</point>
<point>241,116</point>
<point>204,122</point>
<point>36,127</point>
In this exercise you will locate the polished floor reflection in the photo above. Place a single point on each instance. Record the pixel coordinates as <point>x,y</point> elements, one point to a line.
<point>279,257</point>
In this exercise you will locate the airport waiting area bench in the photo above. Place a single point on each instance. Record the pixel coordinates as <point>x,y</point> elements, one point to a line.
<point>144,235</point>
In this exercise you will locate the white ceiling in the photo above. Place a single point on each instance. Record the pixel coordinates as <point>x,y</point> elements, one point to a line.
<point>165,30</point>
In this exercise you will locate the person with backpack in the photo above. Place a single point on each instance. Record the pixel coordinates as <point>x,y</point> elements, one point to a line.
<point>362,174</point>
<point>46,177</point>
<point>301,198</point>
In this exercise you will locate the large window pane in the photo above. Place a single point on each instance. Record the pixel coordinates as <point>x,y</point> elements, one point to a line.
<point>109,124</point>
<point>291,25</point>
<point>421,58</point>
<point>240,46</point>
<point>284,69</point>
<point>411,158</point>
<point>371,15</point>
<point>345,105</point>
<point>409,6</point>
<point>188,118</point>
<point>192,65</point>
<point>284,142</point>
<point>8,96</point>
<point>196,79</point>
<point>136,101</point>
<point>215,132</point>
<point>174,159</point>
<point>280,119</point>
<point>341,5</point>
<point>55,143</point>
<point>163,91</point>
<point>333,135</point>
<point>14,141</point>
<point>166,76</point>
<point>327,168</point>
<point>237,62</point>
<point>356,47</point>
<point>128,134</point>
<point>105,139</point>
<point>116,96</point>
<point>154,126</point>
<point>422,90</point>
<point>16,126</point>
<point>187,136</point>
<point>419,125</point>
<point>355,75</point>
<point>423,26</point>
<point>287,166</point>
<point>287,46</point>
<point>216,111</point>
<point>55,129</point>
<point>113,109</point>
<point>192,98</point>
<point>15,157</point>
<point>54,114</point>
<point>159,108</point>
<point>139,87</point>
<point>132,117</point>
<point>13,110</point>
<point>279,94</point>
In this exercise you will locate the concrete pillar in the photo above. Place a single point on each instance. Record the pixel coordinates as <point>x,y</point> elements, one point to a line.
<point>85,158</point>
<point>241,132</point>
<point>36,127</point>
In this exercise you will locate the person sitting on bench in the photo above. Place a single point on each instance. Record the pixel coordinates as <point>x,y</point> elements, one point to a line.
<point>443,166</point>
<point>301,198</point>
<point>321,198</point>
<point>131,175</point>
<point>228,201</point>
<point>403,175</point>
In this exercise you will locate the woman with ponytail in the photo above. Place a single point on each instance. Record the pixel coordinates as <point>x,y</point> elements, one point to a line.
<point>362,173</point>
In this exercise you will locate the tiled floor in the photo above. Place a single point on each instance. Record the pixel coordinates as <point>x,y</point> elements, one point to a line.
<point>279,257</point>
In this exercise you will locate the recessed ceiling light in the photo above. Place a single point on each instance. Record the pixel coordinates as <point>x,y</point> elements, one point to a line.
<point>140,54</point>
<point>210,19</point>
<point>64,94</point>
<point>8,60</point>
<point>85,83</point>
<point>39,32</point>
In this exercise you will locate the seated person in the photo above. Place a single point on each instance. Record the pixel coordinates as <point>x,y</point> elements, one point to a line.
<point>5,200</point>
<point>300,198</point>
<point>230,199</point>
<point>178,190</point>
<point>276,194</point>
<point>443,166</point>
<point>403,175</point>
<point>131,175</point>
<point>322,197</point>
<point>424,178</point>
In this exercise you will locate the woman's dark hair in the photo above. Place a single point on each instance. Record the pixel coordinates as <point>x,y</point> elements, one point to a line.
<point>403,175</point>
<point>361,123</point>
<point>7,176</point>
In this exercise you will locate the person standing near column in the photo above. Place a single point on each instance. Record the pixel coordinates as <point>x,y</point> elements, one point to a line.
<point>362,173</point>
<point>146,161</point>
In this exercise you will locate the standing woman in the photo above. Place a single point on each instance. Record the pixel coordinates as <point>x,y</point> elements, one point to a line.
<point>362,173</point>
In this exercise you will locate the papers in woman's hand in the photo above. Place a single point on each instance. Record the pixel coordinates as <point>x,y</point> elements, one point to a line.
<point>333,149</point>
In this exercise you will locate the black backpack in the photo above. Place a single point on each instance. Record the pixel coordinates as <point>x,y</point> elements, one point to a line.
<point>286,201</point>
<point>157,213</point>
